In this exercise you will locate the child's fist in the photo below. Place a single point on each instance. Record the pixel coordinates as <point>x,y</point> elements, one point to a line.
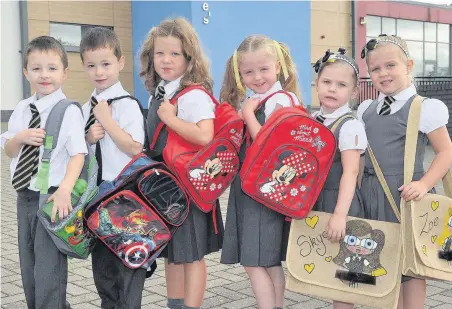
<point>95,133</point>
<point>250,105</point>
<point>166,111</point>
<point>102,112</point>
<point>34,137</point>
<point>336,227</point>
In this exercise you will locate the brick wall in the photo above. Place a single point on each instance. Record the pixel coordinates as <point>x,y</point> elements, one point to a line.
<point>441,92</point>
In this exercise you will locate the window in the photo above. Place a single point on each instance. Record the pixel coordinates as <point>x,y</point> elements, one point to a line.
<point>443,59</point>
<point>388,26</point>
<point>443,33</point>
<point>430,32</point>
<point>373,25</point>
<point>417,54</point>
<point>428,43</point>
<point>70,35</point>
<point>410,29</point>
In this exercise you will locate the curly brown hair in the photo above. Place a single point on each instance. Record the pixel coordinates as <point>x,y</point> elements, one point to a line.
<point>198,68</point>
<point>231,93</point>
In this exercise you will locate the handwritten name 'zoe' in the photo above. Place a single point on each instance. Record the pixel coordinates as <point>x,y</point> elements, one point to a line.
<point>428,224</point>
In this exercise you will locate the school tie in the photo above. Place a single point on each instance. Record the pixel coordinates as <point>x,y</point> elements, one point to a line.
<point>320,118</point>
<point>97,152</point>
<point>160,93</point>
<point>28,163</point>
<point>386,108</point>
<point>91,118</point>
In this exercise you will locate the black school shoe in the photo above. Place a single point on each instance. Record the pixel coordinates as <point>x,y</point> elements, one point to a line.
<point>68,305</point>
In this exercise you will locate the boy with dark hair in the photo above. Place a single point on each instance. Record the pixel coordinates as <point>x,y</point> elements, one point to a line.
<point>43,266</point>
<point>117,131</point>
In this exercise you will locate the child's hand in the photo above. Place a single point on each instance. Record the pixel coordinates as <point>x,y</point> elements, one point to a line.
<point>240,113</point>
<point>416,190</point>
<point>102,112</point>
<point>95,133</point>
<point>34,137</point>
<point>166,111</point>
<point>61,203</point>
<point>336,227</point>
<point>250,105</point>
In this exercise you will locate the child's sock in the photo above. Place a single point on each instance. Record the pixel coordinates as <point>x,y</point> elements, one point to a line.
<point>187,307</point>
<point>174,303</point>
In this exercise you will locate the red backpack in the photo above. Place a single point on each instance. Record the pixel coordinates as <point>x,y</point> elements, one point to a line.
<point>288,162</point>
<point>205,171</point>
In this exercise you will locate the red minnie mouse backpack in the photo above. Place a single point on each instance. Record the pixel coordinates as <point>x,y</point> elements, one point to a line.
<point>288,162</point>
<point>206,171</point>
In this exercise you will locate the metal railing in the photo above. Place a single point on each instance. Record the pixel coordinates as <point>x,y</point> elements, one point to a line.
<point>368,91</point>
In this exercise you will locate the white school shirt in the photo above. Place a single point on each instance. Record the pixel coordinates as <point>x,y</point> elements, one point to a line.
<point>71,140</point>
<point>280,99</point>
<point>352,134</point>
<point>434,113</point>
<point>129,118</point>
<point>192,107</point>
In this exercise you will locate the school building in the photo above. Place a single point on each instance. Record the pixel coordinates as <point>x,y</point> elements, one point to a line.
<point>308,27</point>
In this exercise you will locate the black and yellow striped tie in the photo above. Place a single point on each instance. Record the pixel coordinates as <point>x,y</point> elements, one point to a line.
<point>91,118</point>
<point>28,163</point>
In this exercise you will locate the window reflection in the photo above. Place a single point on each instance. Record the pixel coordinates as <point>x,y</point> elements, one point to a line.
<point>417,54</point>
<point>68,35</point>
<point>373,25</point>
<point>430,51</point>
<point>430,32</point>
<point>443,59</point>
<point>410,29</point>
<point>428,43</point>
<point>388,26</point>
<point>443,33</point>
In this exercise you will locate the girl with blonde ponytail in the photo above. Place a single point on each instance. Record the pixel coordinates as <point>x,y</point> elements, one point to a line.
<point>256,236</point>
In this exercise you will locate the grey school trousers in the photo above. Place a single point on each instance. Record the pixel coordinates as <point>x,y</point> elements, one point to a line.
<point>43,266</point>
<point>119,287</point>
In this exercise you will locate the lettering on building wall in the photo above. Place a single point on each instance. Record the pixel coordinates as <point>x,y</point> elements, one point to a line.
<point>205,8</point>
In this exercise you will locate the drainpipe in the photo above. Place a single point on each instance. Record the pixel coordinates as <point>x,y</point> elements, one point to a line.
<point>353,10</point>
<point>23,9</point>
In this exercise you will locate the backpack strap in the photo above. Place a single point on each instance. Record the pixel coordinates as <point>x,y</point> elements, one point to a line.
<point>174,101</point>
<point>247,137</point>
<point>110,101</point>
<point>340,121</point>
<point>52,128</point>
<point>410,146</point>
<point>98,151</point>
<point>262,102</point>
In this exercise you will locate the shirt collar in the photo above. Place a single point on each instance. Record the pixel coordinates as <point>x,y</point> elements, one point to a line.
<point>337,113</point>
<point>171,87</point>
<point>111,92</point>
<point>403,95</point>
<point>276,87</point>
<point>48,101</point>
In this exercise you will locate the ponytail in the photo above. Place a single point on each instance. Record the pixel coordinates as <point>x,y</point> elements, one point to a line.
<point>289,83</point>
<point>230,91</point>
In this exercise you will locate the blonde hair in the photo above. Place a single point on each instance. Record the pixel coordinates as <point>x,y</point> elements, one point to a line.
<point>385,40</point>
<point>233,90</point>
<point>198,69</point>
